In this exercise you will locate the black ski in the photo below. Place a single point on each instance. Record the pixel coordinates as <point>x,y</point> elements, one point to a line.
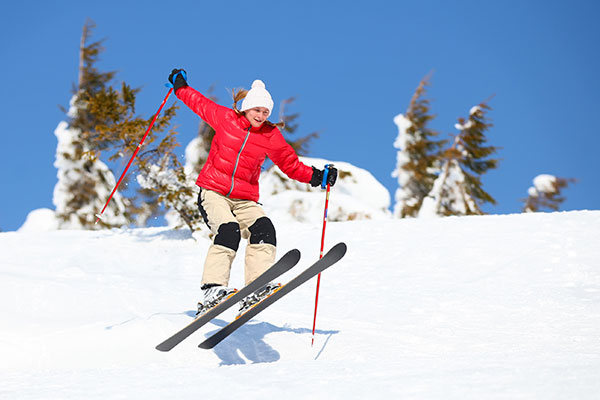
<point>332,256</point>
<point>284,264</point>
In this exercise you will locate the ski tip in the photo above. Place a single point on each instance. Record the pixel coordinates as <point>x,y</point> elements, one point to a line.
<point>341,246</point>
<point>293,254</point>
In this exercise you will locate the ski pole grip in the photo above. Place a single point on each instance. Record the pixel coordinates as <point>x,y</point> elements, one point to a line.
<point>182,73</point>
<point>325,175</point>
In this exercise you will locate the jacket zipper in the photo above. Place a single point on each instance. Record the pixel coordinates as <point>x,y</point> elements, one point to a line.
<point>237,162</point>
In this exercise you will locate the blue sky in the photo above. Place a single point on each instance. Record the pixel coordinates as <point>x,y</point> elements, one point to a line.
<point>353,66</point>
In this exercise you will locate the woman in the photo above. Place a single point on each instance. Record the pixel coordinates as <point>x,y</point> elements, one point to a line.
<point>229,185</point>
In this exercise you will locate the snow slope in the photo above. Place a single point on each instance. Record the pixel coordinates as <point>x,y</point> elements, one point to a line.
<point>494,307</point>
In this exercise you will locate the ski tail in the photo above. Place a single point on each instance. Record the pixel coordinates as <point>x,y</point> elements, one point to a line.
<point>285,263</point>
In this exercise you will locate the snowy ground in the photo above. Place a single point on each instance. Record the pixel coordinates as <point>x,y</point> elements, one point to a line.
<point>494,307</point>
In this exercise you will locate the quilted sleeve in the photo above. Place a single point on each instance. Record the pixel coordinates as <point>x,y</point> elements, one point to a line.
<point>210,112</point>
<point>284,156</point>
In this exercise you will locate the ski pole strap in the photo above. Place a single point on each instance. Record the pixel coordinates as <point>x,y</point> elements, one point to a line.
<point>182,73</point>
<point>325,175</point>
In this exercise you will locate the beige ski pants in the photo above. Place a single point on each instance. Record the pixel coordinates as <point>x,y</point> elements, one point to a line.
<point>230,220</point>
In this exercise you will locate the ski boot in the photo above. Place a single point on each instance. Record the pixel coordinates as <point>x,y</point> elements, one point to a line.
<point>213,295</point>
<point>256,297</point>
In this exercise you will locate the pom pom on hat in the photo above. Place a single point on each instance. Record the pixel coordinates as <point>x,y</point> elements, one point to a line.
<point>257,96</point>
<point>258,84</point>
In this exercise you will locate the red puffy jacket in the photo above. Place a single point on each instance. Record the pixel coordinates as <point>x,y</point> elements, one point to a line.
<point>238,150</point>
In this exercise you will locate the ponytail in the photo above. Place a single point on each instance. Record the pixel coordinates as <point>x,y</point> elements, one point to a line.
<point>238,95</point>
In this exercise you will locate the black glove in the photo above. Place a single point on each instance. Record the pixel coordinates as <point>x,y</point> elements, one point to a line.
<point>317,177</point>
<point>178,78</point>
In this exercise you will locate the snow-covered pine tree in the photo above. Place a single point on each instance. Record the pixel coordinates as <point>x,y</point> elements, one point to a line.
<point>458,188</point>
<point>106,121</point>
<point>162,173</point>
<point>161,176</point>
<point>84,182</point>
<point>417,160</point>
<point>546,193</point>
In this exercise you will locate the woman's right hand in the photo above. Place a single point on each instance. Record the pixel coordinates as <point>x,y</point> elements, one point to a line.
<point>178,78</point>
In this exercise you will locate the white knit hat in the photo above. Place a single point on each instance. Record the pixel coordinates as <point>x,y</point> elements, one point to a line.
<point>257,96</point>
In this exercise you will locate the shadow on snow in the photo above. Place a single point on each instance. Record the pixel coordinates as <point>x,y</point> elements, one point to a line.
<point>249,341</point>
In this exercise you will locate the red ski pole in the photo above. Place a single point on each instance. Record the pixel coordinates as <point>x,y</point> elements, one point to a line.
<point>139,146</point>
<point>325,173</point>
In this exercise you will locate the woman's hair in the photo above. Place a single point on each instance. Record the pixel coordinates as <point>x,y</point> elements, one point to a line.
<point>239,95</point>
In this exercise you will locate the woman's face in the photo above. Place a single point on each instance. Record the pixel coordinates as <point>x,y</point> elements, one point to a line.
<point>256,115</point>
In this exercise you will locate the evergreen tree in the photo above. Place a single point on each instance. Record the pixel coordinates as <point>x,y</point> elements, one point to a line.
<point>417,159</point>
<point>103,122</point>
<point>162,178</point>
<point>546,193</point>
<point>119,134</point>
<point>84,182</point>
<point>290,127</point>
<point>458,188</point>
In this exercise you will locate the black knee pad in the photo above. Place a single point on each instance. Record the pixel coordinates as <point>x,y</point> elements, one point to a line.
<point>263,231</point>
<point>228,235</point>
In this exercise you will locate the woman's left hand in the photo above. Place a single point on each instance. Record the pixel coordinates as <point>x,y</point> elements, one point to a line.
<point>317,177</point>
